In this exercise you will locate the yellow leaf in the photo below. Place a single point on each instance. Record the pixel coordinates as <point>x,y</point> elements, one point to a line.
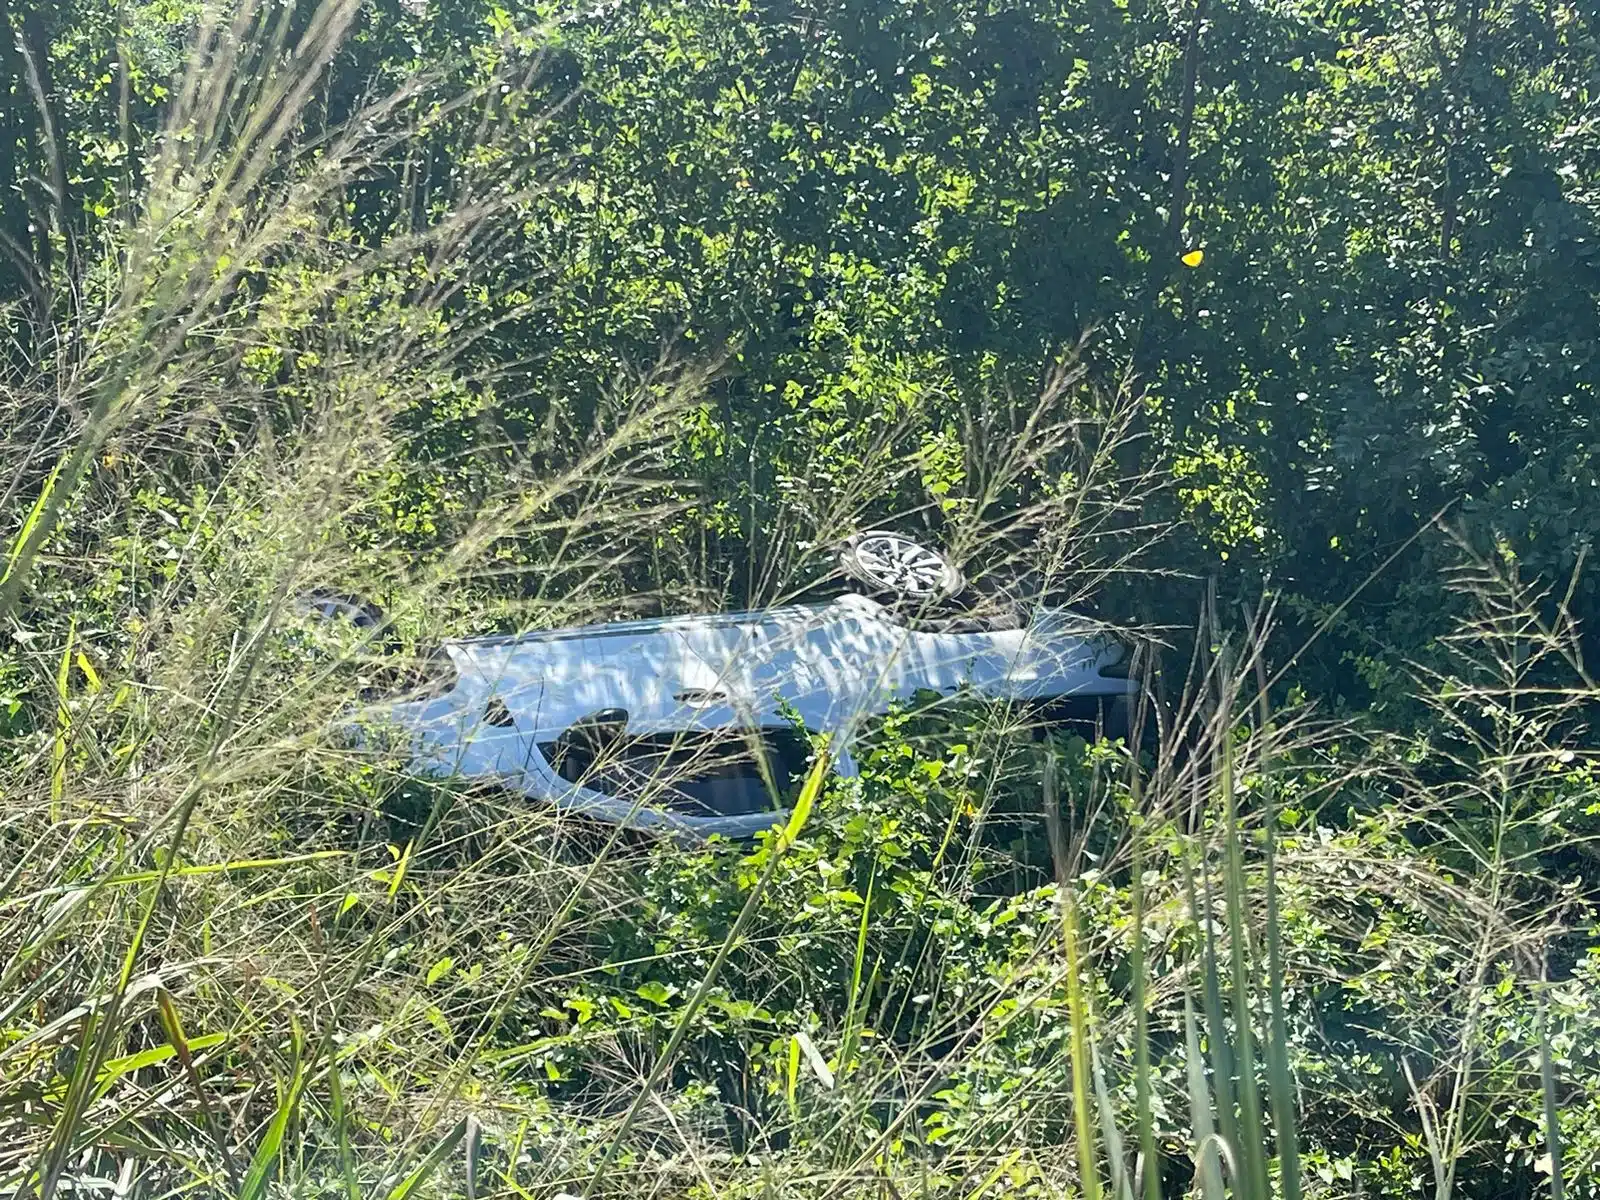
<point>400,869</point>
<point>803,803</point>
<point>1194,258</point>
<point>89,672</point>
<point>794,1069</point>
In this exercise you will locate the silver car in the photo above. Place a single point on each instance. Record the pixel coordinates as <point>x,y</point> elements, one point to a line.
<point>700,725</point>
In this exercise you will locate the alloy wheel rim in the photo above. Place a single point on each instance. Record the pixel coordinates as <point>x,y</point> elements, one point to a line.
<point>902,564</point>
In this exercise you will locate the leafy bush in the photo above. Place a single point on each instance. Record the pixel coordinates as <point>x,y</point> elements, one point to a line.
<point>503,352</point>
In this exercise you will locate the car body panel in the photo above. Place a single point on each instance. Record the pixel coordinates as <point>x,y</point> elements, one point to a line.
<point>824,666</point>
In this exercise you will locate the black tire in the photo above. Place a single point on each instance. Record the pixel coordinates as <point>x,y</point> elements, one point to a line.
<point>332,606</point>
<point>379,640</point>
<point>900,569</point>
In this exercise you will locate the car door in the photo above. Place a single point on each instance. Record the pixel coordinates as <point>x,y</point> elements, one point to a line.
<point>733,677</point>
<point>989,662</point>
<point>813,661</point>
<point>519,694</point>
<point>828,664</point>
<point>492,727</point>
<point>855,658</point>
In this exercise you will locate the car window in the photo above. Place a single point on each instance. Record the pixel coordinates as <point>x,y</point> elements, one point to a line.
<point>699,773</point>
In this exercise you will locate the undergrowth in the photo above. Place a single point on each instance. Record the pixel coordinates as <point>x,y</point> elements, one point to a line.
<point>1259,953</point>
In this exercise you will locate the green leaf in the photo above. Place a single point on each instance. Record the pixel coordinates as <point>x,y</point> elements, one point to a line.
<point>654,991</point>
<point>115,1067</point>
<point>266,1155</point>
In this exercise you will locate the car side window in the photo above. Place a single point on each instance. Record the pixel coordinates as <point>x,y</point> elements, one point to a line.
<point>697,773</point>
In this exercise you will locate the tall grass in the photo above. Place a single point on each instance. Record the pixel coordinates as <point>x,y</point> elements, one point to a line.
<point>238,959</point>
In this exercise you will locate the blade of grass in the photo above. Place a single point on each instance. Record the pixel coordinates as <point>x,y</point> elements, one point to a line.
<point>1552,1106</point>
<point>265,1158</point>
<point>187,871</point>
<point>63,737</point>
<point>1278,1077</point>
<point>847,1047</point>
<point>1207,1169</point>
<point>429,1165</point>
<point>90,675</point>
<point>1216,1028</point>
<point>791,831</point>
<point>31,521</point>
<point>167,1007</point>
<point>1077,1014</point>
<point>1251,1144</point>
<point>792,1083</point>
<point>813,1056</point>
<point>115,1068</point>
<point>1279,1081</point>
<point>1077,1011</point>
<point>1150,1173</point>
<point>1108,1130</point>
<point>341,1125</point>
<point>512,1157</point>
<point>85,1068</point>
<point>993,1177</point>
<point>400,868</point>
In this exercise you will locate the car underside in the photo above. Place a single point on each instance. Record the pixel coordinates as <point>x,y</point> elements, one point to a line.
<point>701,725</point>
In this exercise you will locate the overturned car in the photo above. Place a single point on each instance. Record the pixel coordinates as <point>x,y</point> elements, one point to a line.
<point>695,726</point>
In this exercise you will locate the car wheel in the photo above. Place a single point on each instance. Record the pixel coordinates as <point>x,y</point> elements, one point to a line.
<point>900,568</point>
<point>379,643</point>
<point>329,606</point>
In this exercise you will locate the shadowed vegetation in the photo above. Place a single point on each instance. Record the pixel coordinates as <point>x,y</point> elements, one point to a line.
<point>1262,333</point>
